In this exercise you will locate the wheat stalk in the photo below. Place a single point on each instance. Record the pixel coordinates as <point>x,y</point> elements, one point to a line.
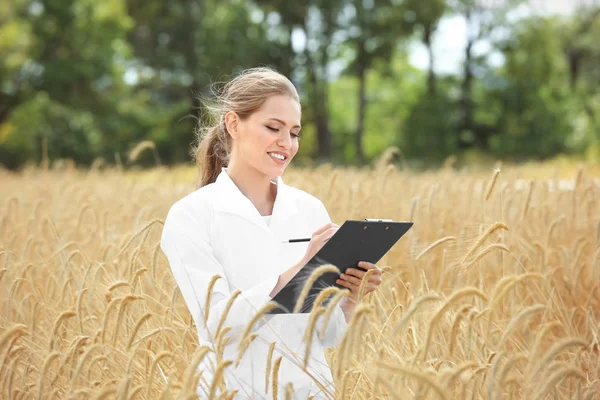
<point>308,332</point>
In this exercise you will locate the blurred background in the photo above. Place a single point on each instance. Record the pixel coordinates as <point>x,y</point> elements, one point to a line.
<point>477,80</point>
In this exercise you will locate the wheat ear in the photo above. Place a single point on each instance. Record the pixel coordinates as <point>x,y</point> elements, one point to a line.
<point>128,299</point>
<point>528,200</point>
<point>234,295</point>
<point>556,377</point>
<point>554,350</point>
<point>415,374</point>
<point>209,291</point>
<point>468,291</point>
<point>244,346</point>
<point>222,340</point>
<point>517,320</point>
<point>51,357</point>
<point>218,377</point>
<point>190,370</point>
<point>289,391</point>
<point>268,373</point>
<point>414,306</point>
<point>455,326</point>
<point>331,308</point>
<point>488,232</point>
<point>323,295</point>
<point>435,244</point>
<point>275,379</point>
<point>492,183</point>
<point>483,252</point>
<point>265,309</point>
<point>309,282</point>
<point>63,316</point>
<point>507,367</point>
<point>137,326</point>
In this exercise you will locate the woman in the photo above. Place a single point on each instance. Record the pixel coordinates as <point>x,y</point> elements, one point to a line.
<point>234,225</point>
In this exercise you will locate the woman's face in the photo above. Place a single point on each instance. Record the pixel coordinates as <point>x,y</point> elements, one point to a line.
<point>268,140</point>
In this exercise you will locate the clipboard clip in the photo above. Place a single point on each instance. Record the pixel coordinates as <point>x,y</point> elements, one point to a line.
<point>378,220</point>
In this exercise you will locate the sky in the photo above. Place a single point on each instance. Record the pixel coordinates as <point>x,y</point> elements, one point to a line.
<point>450,38</point>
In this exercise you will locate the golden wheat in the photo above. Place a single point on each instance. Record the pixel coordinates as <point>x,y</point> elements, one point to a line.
<point>89,308</point>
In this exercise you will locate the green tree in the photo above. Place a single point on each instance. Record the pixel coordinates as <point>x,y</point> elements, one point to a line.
<point>61,75</point>
<point>537,109</point>
<point>581,46</point>
<point>373,33</point>
<point>483,18</point>
<point>423,17</point>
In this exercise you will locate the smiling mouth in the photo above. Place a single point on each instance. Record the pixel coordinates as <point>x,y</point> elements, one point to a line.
<point>278,156</point>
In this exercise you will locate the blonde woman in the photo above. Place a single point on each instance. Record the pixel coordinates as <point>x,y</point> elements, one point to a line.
<point>233,225</point>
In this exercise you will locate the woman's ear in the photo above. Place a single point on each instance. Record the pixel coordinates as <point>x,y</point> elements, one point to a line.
<point>232,123</point>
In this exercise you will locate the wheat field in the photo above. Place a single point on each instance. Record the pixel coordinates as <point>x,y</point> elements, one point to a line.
<point>494,293</point>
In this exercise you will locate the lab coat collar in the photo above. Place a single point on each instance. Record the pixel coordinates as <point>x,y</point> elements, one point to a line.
<point>231,200</point>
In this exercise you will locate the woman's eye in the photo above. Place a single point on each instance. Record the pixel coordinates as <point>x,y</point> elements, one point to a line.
<point>295,135</point>
<point>273,129</point>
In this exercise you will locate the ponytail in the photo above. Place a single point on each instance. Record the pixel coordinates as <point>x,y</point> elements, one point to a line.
<point>212,153</point>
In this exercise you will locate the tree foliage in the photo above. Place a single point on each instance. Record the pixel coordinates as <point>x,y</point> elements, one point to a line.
<point>92,79</point>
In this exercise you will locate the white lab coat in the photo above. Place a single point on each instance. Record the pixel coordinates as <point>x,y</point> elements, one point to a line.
<point>217,230</point>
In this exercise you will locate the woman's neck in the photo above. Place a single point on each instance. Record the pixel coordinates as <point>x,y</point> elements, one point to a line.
<point>256,186</point>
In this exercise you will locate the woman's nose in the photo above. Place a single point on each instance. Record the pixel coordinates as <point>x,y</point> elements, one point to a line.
<point>285,141</point>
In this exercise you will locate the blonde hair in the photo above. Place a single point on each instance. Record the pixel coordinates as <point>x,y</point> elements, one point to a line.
<point>244,94</point>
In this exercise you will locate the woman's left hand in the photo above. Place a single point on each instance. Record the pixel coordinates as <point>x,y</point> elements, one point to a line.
<point>352,278</point>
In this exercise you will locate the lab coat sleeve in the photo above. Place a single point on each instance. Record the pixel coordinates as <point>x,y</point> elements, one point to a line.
<point>337,325</point>
<point>185,242</point>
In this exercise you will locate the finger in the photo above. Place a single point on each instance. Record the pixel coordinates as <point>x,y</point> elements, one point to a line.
<point>325,227</point>
<point>355,272</point>
<point>345,284</point>
<point>325,236</point>
<point>361,274</point>
<point>367,265</point>
<point>354,280</point>
<point>375,280</point>
<point>370,288</point>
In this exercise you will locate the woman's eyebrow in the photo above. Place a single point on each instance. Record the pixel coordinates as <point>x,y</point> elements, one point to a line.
<point>283,123</point>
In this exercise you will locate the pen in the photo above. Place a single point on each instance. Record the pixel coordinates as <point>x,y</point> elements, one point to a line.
<point>296,240</point>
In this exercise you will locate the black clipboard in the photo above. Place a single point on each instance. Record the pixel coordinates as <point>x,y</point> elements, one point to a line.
<point>355,240</point>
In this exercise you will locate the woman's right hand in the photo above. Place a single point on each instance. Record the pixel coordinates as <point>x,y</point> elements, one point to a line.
<point>318,240</point>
